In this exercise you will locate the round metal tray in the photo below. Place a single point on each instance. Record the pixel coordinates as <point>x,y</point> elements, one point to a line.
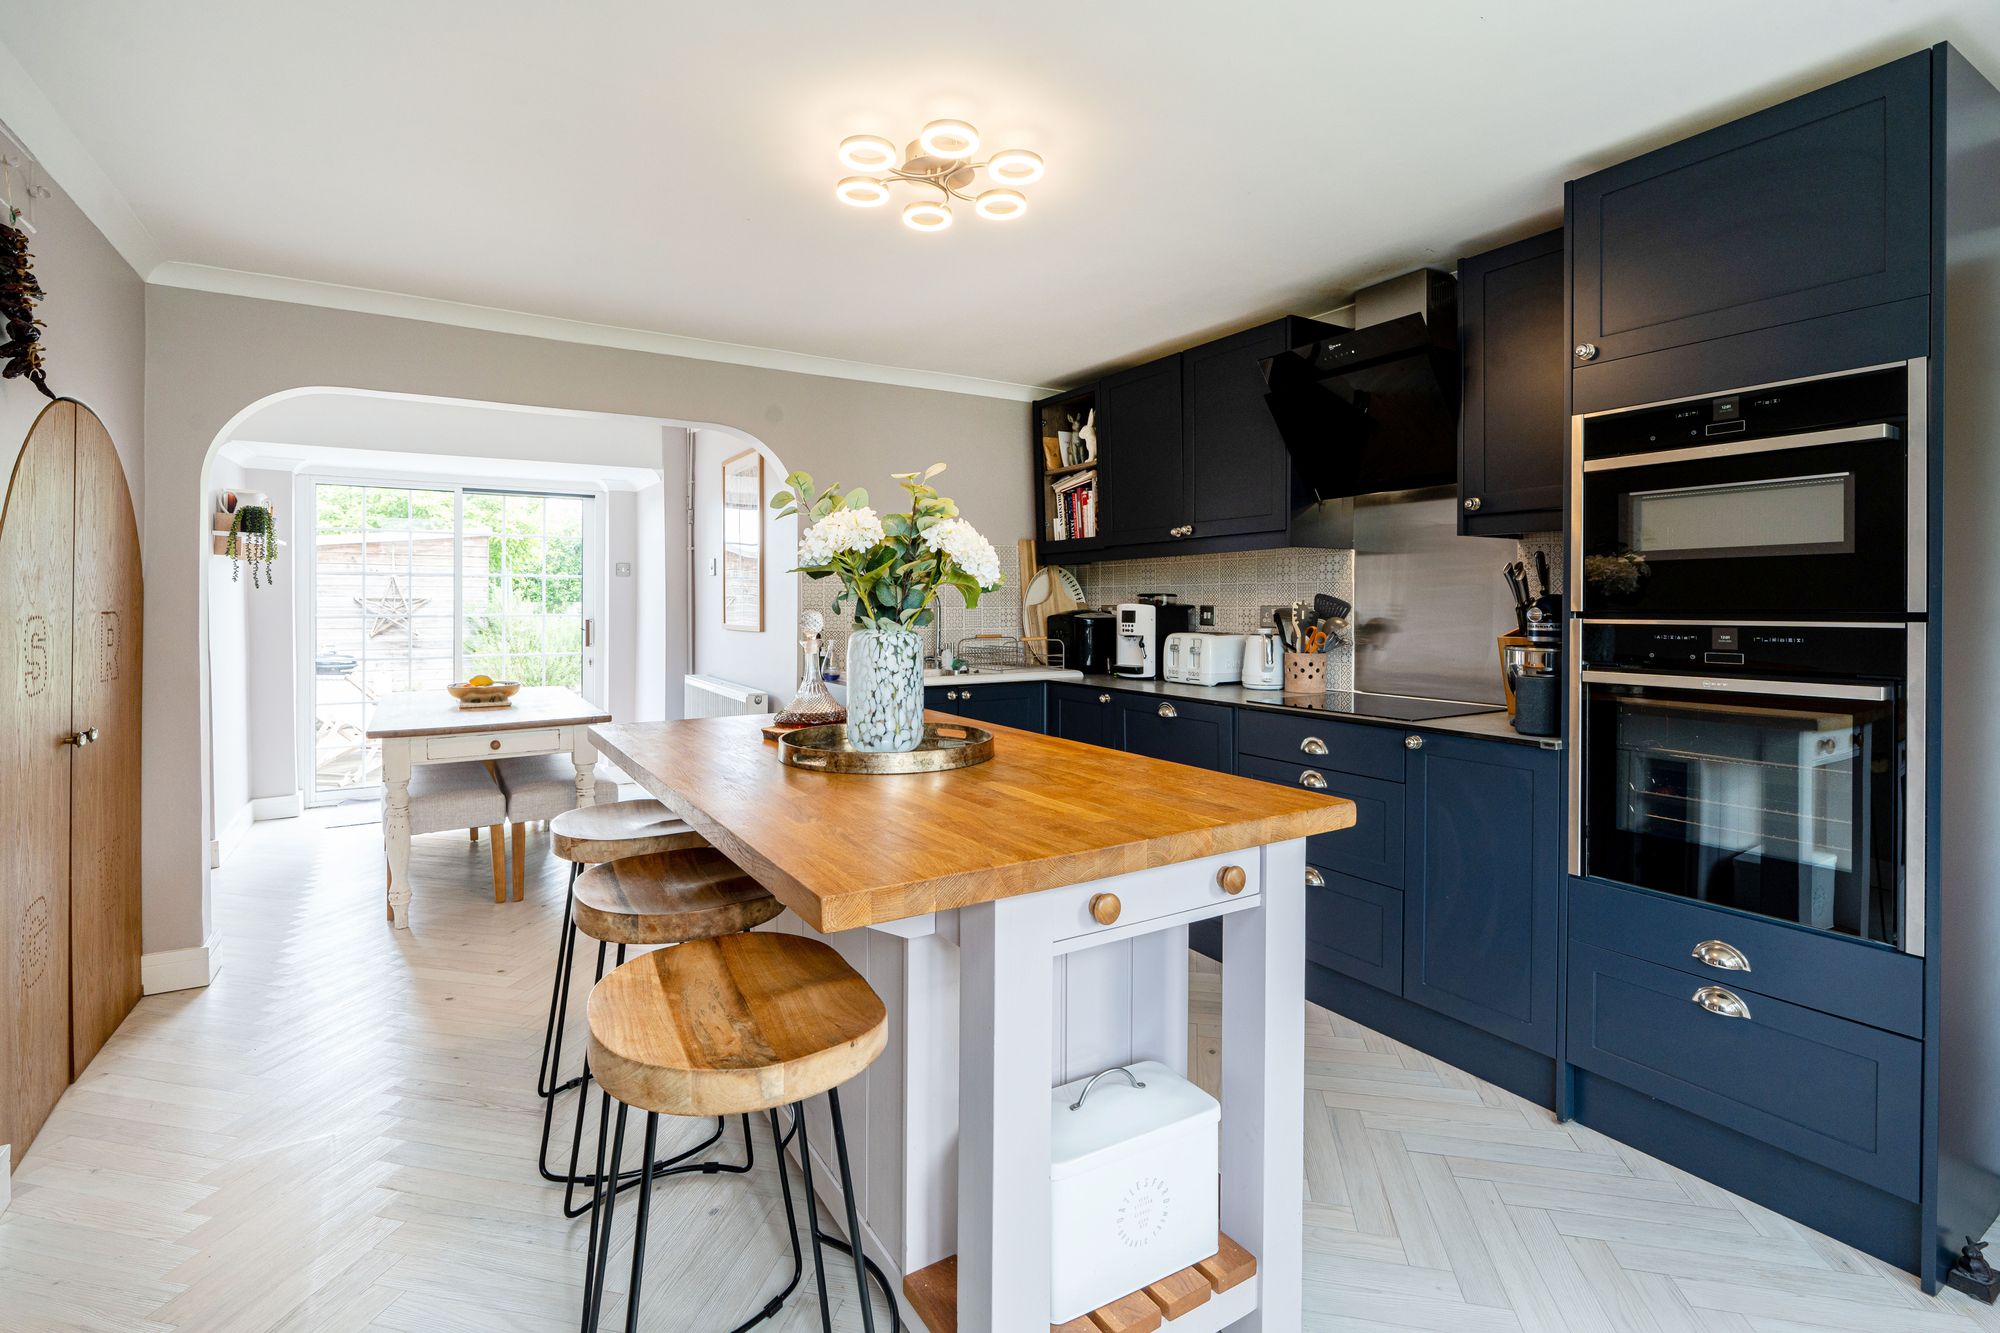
<point>945,745</point>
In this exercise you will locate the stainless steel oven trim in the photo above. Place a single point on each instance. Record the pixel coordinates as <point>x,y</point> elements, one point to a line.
<point>1917,489</point>
<point>1574,756</point>
<point>1750,388</point>
<point>1738,448</point>
<point>1799,689</point>
<point>1574,535</point>
<point>1916,791</point>
<point>1896,625</point>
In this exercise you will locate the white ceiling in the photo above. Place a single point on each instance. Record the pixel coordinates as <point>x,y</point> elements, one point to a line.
<point>669,167</point>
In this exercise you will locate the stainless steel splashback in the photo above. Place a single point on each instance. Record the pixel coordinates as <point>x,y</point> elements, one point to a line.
<point>1428,603</point>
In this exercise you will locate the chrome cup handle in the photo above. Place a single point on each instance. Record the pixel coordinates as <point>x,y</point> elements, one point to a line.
<point>1722,1002</point>
<point>1718,954</point>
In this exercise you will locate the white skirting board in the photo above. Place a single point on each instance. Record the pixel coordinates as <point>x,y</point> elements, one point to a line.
<point>228,834</point>
<point>180,969</point>
<point>288,806</point>
<point>6,1176</point>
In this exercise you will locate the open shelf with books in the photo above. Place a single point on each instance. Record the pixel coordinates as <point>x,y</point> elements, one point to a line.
<point>1069,496</point>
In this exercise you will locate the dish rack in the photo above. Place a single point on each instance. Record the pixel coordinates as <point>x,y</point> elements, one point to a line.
<point>1000,652</point>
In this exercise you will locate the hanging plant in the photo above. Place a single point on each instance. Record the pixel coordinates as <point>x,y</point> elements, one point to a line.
<point>253,536</point>
<point>19,294</point>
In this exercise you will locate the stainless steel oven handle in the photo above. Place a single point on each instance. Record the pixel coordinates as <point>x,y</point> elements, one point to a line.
<point>1737,448</point>
<point>1797,689</point>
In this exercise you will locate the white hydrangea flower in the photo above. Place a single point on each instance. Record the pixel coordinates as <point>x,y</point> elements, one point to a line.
<point>974,554</point>
<point>840,532</point>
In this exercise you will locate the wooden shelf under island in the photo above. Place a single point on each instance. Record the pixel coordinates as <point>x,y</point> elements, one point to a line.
<point>933,1294</point>
<point>1026,924</point>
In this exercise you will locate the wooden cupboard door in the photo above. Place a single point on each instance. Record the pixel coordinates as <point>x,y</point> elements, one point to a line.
<point>104,775</point>
<point>35,554</point>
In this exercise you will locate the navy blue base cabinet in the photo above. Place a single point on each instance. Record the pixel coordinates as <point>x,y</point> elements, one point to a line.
<point>1082,713</point>
<point>1006,704</point>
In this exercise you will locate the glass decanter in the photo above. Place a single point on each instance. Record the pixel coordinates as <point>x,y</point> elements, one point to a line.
<point>813,705</point>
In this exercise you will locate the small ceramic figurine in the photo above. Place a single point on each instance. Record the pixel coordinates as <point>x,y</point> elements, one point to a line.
<point>1086,437</point>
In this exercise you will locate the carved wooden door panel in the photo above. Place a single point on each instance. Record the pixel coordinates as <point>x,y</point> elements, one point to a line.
<point>36,554</point>
<point>104,775</point>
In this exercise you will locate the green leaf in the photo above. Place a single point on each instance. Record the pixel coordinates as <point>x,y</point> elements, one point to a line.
<point>897,525</point>
<point>933,470</point>
<point>857,497</point>
<point>781,499</point>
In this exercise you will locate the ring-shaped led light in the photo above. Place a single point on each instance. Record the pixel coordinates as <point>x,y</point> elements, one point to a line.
<point>867,152</point>
<point>1016,166</point>
<point>953,139</point>
<point>1001,205</point>
<point>862,192</point>
<point>926,216</point>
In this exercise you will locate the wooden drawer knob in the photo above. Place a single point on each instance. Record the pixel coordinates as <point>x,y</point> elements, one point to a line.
<point>493,745</point>
<point>1104,908</point>
<point>1232,879</point>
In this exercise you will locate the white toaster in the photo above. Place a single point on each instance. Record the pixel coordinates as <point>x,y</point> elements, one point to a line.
<point>1203,659</point>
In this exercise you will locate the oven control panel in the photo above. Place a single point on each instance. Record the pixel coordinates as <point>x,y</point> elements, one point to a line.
<point>1745,649</point>
<point>1877,395</point>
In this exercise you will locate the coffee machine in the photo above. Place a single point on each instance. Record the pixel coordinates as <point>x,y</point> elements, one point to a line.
<point>1143,628</point>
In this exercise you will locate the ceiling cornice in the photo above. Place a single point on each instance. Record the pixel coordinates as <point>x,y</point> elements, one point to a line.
<point>28,112</point>
<point>493,319</point>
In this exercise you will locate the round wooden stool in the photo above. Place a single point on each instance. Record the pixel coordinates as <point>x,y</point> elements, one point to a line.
<point>591,835</point>
<point>658,898</point>
<point>730,1026</point>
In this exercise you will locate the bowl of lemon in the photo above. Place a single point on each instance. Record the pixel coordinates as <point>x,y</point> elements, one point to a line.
<point>485,692</point>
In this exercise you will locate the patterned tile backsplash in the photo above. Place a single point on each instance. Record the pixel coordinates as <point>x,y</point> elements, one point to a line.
<point>1241,586</point>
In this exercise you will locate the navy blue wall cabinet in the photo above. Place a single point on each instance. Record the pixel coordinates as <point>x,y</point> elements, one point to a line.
<point>1180,730</point>
<point>1050,417</point>
<point>1513,427</point>
<point>1791,242</point>
<point>1484,879</point>
<point>1082,713</point>
<point>1239,472</point>
<point>1006,704</point>
<point>1143,454</point>
<point>1836,1093</point>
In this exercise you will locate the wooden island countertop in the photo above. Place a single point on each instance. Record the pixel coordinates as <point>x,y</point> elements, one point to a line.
<point>847,850</point>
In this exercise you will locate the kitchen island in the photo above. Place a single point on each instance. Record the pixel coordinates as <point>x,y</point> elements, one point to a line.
<point>1025,922</point>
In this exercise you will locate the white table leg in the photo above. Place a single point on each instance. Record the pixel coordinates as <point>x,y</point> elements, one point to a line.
<point>396,826</point>
<point>1005,1020</point>
<point>1263,1087</point>
<point>584,755</point>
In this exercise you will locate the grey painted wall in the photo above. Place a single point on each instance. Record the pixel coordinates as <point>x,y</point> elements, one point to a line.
<point>767,659</point>
<point>210,357</point>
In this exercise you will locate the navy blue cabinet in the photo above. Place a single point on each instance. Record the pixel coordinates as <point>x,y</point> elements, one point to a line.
<point>1483,879</point>
<point>1813,209</point>
<point>1142,458</point>
<point>1355,927</point>
<point>1238,469</point>
<point>1180,730</point>
<point>1083,713</point>
<point>1006,704</point>
<point>1373,848</point>
<point>1513,427</point>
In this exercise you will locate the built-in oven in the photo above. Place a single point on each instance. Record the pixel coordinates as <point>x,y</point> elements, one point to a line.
<point>1800,500</point>
<point>1762,767</point>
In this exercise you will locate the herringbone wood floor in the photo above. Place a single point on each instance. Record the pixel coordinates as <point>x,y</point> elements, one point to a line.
<point>338,1135</point>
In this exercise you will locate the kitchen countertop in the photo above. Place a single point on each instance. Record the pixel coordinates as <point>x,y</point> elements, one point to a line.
<point>848,850</point>
<point>1491,725</point>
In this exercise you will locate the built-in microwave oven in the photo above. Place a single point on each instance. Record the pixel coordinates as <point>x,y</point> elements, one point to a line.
<point>1768,768</point>
<point>1801,500</point>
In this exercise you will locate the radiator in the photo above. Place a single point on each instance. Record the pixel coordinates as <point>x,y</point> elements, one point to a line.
<point>706,696</point>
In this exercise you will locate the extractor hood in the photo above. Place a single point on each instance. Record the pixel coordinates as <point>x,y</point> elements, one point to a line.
<point>1375,408</point>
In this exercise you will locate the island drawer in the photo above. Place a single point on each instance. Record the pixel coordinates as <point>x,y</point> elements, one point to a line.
<point>1149,895</point>
<point>1371,752</point>
<point>493,744</point>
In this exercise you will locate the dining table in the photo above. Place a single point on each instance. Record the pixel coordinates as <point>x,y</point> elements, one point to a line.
<point>430,727</point>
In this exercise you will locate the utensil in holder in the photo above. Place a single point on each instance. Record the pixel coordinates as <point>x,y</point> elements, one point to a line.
<point>1305,673</point>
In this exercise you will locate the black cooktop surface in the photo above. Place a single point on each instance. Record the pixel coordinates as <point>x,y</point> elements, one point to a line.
<point>1391,707</point>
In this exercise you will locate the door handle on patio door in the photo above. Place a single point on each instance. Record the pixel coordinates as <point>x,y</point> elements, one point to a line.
<point>589,631</point>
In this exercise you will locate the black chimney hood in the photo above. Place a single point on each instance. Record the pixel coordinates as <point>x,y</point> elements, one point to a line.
<point>1375,408</point>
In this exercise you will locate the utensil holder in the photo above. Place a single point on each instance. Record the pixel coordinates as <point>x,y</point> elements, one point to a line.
<point>1305,673</point>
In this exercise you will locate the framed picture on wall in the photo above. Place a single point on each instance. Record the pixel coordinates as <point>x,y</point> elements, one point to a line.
<point>743,542</point>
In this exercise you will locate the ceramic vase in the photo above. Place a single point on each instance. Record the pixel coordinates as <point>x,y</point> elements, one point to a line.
<point>885,689</point>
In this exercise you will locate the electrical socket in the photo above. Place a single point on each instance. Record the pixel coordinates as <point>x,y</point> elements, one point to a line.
<point>1205,615</point>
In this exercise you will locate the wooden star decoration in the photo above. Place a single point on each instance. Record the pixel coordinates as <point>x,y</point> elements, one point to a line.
<point>391,611</point>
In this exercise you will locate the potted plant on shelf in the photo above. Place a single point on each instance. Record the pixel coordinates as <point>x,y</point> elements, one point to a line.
<point>253,536</point>
<point>891,568</point>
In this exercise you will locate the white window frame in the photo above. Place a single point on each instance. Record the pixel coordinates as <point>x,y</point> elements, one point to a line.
<point>305,503</point>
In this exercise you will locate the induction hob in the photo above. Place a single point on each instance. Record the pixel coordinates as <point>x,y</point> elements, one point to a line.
<point>1389,707</point>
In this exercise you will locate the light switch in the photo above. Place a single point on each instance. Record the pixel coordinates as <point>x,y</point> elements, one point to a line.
<point>623,569</point>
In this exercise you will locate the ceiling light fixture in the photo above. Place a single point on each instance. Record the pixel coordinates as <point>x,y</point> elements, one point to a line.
<point>940,159</point>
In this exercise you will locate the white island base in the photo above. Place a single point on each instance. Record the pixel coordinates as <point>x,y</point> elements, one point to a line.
<point>992,1005</point>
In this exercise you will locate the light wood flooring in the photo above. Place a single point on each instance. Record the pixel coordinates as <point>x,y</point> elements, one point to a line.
<point>338,1134</point>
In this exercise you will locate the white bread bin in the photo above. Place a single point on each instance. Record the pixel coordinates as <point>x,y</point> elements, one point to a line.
<point>1133,1179</point>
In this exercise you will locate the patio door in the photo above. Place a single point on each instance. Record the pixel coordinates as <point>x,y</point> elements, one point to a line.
<point>414,587</point>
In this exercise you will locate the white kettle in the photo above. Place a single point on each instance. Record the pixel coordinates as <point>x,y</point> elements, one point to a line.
<point>1263,661</point>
